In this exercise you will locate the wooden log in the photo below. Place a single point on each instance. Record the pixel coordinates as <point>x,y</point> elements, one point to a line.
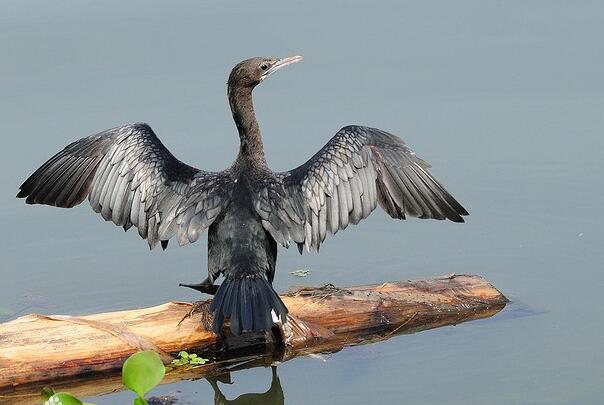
<point>84,354</point>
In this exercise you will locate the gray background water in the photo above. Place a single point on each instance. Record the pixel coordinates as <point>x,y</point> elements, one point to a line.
<point>505,99</point>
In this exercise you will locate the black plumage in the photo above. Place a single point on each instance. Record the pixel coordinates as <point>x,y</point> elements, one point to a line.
<point>131,179</point>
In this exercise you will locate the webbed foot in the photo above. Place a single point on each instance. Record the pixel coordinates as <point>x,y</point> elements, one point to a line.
<point>202,307</point>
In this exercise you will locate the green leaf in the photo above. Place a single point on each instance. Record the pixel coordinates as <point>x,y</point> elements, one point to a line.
<point>192,356</point>
<point>198,360</point>
<point>47,392</point>
<point>184,355</point>
<point>139,401</point>
<point>143,371</point>
<point>63,398</point>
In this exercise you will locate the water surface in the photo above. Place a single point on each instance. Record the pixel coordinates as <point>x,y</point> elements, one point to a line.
<point>505,99</point>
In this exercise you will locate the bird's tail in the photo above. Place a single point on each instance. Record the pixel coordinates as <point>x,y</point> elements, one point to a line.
<point>248,303</point>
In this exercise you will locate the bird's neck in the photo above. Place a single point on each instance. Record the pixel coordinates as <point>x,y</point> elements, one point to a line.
<point>242,107</point>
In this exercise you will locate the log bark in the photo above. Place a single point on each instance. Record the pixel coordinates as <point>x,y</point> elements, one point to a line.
<point>85,354</point>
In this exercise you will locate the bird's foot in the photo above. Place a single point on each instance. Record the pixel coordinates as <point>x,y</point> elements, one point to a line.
<point>202,307</point>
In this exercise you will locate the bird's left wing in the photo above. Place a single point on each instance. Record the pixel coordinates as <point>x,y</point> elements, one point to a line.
<point>343,183</point>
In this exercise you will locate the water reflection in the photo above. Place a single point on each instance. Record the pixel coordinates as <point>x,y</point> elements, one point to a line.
<point>273,396</point>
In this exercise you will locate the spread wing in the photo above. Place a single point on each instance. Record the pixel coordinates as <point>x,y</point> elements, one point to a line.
<point>343,183</point>
<point>130,178</point>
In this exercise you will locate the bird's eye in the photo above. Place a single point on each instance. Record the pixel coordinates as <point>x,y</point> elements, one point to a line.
<point>264,66</point>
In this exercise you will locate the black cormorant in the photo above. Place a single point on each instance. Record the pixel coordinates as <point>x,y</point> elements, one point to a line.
<point>130,178</point>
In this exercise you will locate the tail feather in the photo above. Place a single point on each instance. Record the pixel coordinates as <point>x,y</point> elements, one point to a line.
<point>248,303</point>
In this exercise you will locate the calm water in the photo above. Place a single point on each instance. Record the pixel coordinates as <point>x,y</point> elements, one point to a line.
<point>505,99</point>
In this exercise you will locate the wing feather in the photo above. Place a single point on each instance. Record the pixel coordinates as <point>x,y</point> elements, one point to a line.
<point>130,178</point>
<point>344,182</point>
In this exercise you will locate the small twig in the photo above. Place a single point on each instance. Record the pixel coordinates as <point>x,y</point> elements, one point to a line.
<point>401,325</point>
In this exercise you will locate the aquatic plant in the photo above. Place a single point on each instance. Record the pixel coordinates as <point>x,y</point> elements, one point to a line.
<point>141,372</point>
<point>189,358</point>
<point>50,397</point>
<point>300,272</point>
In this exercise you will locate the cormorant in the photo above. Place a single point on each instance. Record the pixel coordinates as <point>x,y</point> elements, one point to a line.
<point>130,178</point>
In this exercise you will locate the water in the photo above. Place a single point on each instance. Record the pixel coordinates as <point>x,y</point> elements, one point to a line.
<point>505,99</point>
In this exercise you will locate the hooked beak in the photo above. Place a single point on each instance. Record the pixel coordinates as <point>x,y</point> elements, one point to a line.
<point>281,63</point>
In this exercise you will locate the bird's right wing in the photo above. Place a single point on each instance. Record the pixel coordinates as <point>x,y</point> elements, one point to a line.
<point>130,178</point>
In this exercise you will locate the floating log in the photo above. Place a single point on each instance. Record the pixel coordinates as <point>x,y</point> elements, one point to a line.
<point>84,354</point>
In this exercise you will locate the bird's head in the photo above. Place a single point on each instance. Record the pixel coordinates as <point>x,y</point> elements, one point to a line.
<point>250,72</point>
